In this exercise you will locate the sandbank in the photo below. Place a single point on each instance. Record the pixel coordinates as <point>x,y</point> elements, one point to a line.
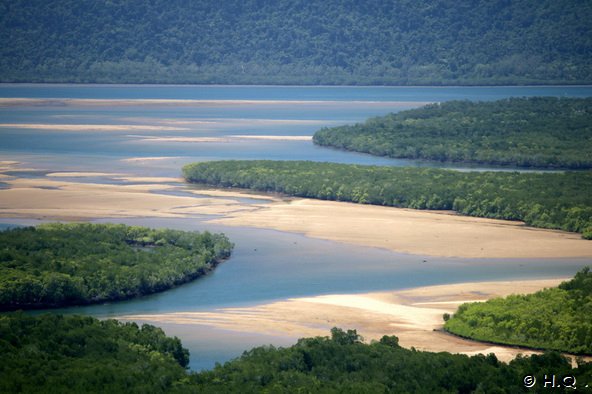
<point>54,199</point>
<point>430,233</point>
<point>413,315</point>
<point>87,127</point>
<point>81,174</point>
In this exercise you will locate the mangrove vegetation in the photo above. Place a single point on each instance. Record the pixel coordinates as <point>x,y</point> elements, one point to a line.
<point>543,132</point>
<point>80,263</point>
<point>560,200</point>
<point>556,319</point>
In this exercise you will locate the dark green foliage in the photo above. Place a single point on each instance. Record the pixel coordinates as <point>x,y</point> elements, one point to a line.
<point>401,42</point>
<point>323,365</point>
<point>76,354</point>
<point>557,319</point>
<point>66,264</point>
<point>523,132</point>
<point>548,200</point>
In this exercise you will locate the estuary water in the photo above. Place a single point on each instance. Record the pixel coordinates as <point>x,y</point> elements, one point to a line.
<point>154,130</point>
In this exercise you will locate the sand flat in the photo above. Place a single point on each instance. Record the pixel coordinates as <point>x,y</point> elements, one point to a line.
<point>411,314</point>
<point>88,127</point>
<point>411,231</point>
<point>57,199</point>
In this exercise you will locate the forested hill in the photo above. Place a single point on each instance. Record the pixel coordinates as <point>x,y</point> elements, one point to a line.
<point>395,42</point>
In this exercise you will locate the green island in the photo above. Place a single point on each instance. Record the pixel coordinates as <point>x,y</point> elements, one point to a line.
<point>555,319</point>
<point>297,42</point>
<point>559,200</point>
<point>542,132</point>
<point>74,354</point>
<point>57,264</point>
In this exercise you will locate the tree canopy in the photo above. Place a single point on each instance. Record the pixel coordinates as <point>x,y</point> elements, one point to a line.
<point>560,200</point>
<point>371,42</point>
<point>557,318</point>
<point>543,132</point>
<point>79,263</point>
<point>79,354</point>
<point>74,354</point>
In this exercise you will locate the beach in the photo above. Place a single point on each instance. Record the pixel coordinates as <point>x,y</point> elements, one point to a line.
<point>413,315</point>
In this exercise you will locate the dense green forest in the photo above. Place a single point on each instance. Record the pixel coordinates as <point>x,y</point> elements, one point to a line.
<point>392,42</point>
<point>68,264</point>
<point>557,318</point>
<point>524,132</point>
<point>548,200</point>
<point>76,354</point>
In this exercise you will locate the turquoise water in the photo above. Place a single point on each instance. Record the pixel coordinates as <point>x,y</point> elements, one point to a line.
<point>266,265</point>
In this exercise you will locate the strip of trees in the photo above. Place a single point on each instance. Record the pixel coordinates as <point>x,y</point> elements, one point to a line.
<point>543,132</point>
<point>71,264</point>
<point>548,200</point>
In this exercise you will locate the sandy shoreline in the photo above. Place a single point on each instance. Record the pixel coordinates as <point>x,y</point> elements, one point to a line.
<point>412,231</point>
<point>401,230</point>
<point>412,315</point>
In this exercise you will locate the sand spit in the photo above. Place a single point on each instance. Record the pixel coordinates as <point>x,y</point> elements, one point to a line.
<point>431,233</point>
<point>413,315</point>
<point>88,127</point>
<point>81,174</point>
<point>45,198</point>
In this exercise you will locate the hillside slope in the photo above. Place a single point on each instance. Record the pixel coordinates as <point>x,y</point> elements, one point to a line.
<point>397,42</point>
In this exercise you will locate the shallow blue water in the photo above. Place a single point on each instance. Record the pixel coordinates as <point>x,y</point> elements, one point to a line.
<point>57,147</point>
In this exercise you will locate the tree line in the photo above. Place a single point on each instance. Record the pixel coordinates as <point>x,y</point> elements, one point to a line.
<point>560,200</point>
<point>542,132</point>
<point>557,318</point>
<point>79,263</point>
<point>74,354</point>
<point>374,42</point>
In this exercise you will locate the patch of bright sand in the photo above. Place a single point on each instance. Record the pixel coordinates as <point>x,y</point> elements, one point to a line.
<point>81,174</point>
<point>412,231</point>
<point>412,315</point>
<point>44,198</point>
<point>87,127</point>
